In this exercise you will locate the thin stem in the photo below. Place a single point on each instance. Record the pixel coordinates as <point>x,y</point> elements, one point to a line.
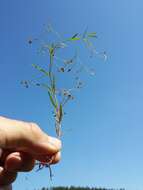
<point>50,68</point>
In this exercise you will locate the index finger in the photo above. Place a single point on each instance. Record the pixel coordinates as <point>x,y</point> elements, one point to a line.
<point>24,136</point>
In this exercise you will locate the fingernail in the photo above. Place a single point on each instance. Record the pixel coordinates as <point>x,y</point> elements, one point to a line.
<point>1,169</point>
<point>13,164</point>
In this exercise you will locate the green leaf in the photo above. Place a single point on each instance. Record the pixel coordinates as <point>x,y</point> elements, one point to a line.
<point>54,84</point>
<point>60,113</point>
<point>74,39</point>
<point>52,100</point>
<point>51,49</point>
<point>75,35</point>
<point>40,69</point>
<point>45,86</point>
<point>92,35</point>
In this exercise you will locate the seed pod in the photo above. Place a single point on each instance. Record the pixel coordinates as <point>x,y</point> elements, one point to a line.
<point>62,69</point>
<point>30,41</point>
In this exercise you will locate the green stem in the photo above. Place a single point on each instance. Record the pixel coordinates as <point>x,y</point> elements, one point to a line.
<point>50,68</point>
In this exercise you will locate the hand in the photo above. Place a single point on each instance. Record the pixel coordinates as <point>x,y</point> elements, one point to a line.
<point>22,143</point>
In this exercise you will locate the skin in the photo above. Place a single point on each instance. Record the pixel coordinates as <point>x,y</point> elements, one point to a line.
<point>21,144</point>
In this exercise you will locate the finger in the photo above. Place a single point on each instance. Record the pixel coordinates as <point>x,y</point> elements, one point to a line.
<point>47,145</point>
<point>19,161</point>
<point>56,158</point>
<point>26,137</point>
<point>50,159</point>
<point>6,177</point>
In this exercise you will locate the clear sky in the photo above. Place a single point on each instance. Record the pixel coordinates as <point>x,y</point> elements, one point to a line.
<point>104,147</point>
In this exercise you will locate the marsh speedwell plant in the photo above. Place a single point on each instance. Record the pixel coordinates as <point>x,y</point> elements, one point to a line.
<point>64,63</point>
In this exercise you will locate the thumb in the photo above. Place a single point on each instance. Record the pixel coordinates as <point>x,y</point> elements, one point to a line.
<point>27,137</point>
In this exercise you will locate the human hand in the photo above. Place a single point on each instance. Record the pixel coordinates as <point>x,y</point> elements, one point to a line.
<point>23,143</point>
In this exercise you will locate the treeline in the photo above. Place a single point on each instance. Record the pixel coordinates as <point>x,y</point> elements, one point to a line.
<point>77,188</point>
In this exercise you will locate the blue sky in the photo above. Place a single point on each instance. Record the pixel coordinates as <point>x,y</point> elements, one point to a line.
<point>104,146</point>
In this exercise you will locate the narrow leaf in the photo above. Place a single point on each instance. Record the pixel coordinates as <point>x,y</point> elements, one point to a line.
<point>54,84</point>
<point>45,86</point>
<point>75,35</point>
<point>92,35</point>
<point>40,69</point>
<point>74,39</point>
<point>52,100</point>
<point>61,113</point>
<point>51,50</point>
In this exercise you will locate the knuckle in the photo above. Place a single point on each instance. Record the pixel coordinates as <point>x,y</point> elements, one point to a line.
<point>34,125</point>
<point>4,139</point>
<point>35,129</point>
